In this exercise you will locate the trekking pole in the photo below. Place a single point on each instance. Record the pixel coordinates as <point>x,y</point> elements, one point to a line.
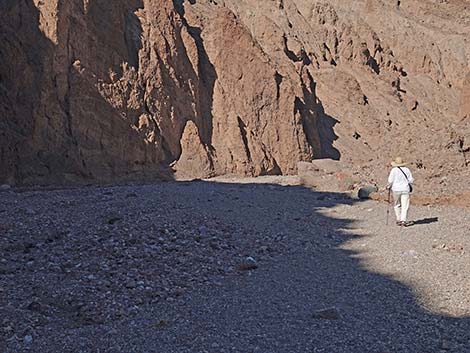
<point>388,206</point>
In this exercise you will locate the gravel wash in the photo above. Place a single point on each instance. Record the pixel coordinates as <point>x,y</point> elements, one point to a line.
<point>229,267</point>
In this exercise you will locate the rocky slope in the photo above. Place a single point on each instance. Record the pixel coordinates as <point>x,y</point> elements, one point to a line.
<point>100,91</point>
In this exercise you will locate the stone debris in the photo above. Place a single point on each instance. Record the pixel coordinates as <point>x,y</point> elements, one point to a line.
<point>366,191</point>
<point>166,277</point>
<point>449,247</point>
<point>79,259</point>
<point>327,314</point>
<point>410,253</point>
<point>248,264</point>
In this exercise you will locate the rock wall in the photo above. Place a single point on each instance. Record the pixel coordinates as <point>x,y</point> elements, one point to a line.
<point>100,91</point>
<point>93,90</point>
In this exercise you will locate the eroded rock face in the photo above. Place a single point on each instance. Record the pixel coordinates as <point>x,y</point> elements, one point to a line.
<point>94,90</point>
<point>103,91</point>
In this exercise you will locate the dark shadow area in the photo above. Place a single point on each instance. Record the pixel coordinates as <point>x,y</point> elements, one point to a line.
<point>289,53</point>
<point>183,242</point>
<point>426,221</point>
<point>133,36</point>
<point>372,63</point>
<point>21,70</point>
<point>320,124</point>
<point>54,126</point>
<point>207,76</point>
<point>327,134</point>
<point>108,49</point>
<point>117,36</point>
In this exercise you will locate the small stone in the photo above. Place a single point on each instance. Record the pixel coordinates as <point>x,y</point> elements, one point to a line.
<point>366,191</point>
<point>34,306</point>
<point>248,264</point>
<point>113,220</point>
<point>445,344</point>
<point>5,187</point>
<point>203,231</point>
<point>327,314</point>
<point>6,270</point>
<point>410,253</point>
<point>162,323</point>
<point>131,284</point>
<point>30,212</point>
<point>28,339</point>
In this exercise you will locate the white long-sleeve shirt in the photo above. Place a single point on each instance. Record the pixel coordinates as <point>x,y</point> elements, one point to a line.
<point>398,181</point>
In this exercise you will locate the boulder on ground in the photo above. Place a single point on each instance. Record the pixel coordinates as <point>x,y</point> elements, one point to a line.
<point>366,192</point>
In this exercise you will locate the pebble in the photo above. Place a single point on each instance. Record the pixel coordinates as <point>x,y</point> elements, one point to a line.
<point>131,284</point>
<point>366,191</point>
<point>203,231</point>
<point>410,253</point>
<point>327,314</point>
<point>445,344</point>
<point>264,248</point>
<point>34,306</point>
<point>30,212</point>
<point>248,264</point>
<point>28,339</point>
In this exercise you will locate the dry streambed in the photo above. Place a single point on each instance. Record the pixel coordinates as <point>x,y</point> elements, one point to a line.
<point>81,261</point>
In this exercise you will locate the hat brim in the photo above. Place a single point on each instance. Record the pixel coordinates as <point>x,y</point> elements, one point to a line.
<point>398,164</point>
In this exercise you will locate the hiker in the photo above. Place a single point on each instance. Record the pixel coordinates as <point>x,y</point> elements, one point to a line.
<point>400,181</point>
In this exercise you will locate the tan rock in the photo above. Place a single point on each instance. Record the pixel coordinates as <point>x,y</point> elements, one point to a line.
<point>195,160</point>
<point>107,91</point>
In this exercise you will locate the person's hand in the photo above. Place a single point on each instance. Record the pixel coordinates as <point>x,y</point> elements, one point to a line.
<point>388,187</point>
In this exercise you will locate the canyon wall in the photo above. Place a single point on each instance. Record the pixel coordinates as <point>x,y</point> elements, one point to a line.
<point>93,90</point>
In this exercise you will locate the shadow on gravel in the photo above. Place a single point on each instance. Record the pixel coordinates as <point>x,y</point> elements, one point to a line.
<point>307,294</point>
<point>426,221</point>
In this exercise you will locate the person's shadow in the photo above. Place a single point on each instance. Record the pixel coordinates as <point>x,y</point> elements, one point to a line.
<point>426,221</point>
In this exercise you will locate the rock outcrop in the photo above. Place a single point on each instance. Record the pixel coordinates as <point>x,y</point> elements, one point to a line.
<point>93,90</point>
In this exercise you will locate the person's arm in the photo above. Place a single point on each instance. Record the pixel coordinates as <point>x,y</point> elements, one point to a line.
<point>410,177</point>
<point>391,177</point>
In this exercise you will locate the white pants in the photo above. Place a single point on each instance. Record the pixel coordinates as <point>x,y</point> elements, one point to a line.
<point>402,203</point>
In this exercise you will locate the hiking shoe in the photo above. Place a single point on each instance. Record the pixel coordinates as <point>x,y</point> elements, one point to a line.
<point>399,223</point>
<point>407,223</point>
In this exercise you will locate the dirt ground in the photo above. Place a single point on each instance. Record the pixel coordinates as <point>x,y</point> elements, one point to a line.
<point>238,265</point>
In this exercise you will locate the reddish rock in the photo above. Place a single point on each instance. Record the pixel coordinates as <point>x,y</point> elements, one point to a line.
<point>107,91</point>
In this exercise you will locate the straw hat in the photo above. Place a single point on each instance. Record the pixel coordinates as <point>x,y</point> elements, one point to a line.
<point>398,162</point>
